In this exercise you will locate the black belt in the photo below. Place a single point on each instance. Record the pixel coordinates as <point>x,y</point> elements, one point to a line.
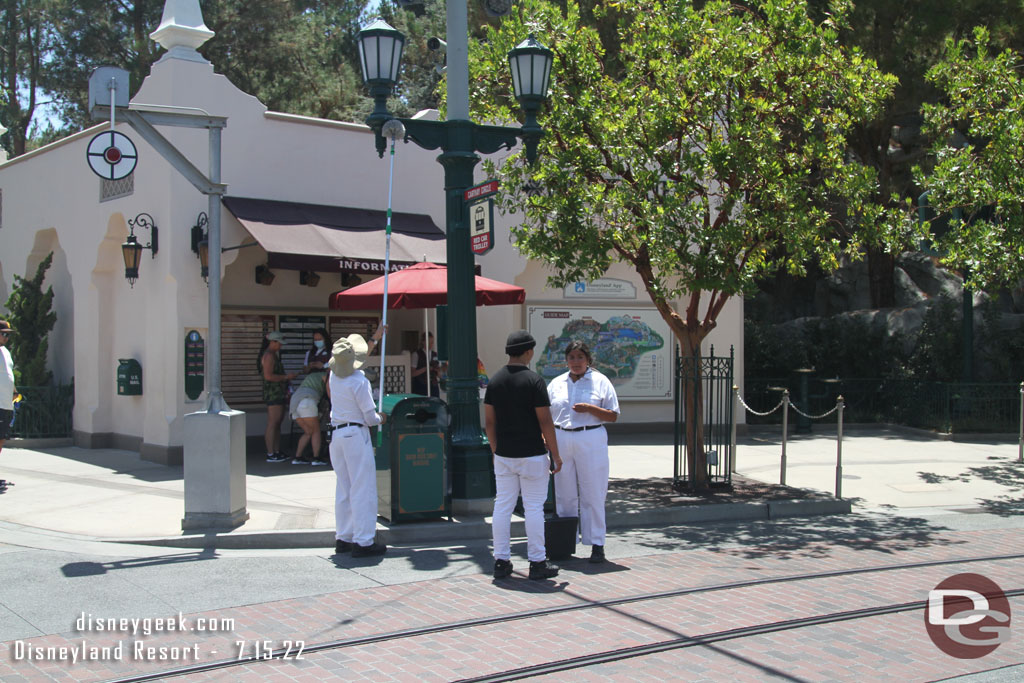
<point>348,424</point>
<point>577,429</point>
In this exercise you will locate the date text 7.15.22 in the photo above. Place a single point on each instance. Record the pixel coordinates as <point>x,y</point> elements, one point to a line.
<point>264,649</point>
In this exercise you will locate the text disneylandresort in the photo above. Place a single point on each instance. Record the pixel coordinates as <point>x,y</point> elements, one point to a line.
<point>135,648</point>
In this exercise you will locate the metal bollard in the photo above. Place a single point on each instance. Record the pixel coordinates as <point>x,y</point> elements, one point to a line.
<point>732,435</point>
<point>785,434</point>
<point>839,447</point>
<point>1020,439</point>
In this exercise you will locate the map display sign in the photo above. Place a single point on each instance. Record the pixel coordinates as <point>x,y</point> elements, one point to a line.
<point>631,346</point>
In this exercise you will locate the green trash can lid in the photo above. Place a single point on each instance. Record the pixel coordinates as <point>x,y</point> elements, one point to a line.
<point>391,400</point>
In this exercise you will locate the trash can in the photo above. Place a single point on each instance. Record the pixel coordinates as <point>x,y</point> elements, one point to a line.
<point>412,459</point>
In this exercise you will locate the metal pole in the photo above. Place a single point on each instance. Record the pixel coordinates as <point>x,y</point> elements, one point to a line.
<point>732,434</point>
<point>1020,439</point>
<point>457,53</point>
<point>785,431</point>
<point>393,133</point>
<point>839,448</point>
<point>215,398</point>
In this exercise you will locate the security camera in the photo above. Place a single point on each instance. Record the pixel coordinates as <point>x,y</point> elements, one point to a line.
<point>436,45</point>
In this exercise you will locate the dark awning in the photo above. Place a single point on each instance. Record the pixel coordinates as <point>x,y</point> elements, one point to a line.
<point>331,238</point>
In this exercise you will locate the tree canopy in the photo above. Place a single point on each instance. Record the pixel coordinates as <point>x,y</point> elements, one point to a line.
<point>711,152</point>
<point>978,174</point>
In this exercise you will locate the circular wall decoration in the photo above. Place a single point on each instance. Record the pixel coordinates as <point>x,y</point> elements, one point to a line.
<point>111,155</point>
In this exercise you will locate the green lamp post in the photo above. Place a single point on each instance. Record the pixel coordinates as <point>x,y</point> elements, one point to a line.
<point>459,140</point>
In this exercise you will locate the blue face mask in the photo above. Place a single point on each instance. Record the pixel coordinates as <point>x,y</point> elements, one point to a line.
<point>318,343</point>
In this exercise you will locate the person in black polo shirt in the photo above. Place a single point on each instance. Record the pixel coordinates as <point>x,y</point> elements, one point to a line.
<point>518,422</point>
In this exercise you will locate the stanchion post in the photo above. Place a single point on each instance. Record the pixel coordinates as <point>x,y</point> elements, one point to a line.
<point>732,433</point>
<point>1020,438</point>
<point>785,435</point>
<point>839,447</point>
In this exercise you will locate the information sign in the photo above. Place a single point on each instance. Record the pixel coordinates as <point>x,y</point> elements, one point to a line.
<point>195,364</point>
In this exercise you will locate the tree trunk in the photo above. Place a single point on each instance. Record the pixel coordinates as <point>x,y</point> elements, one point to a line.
<point>693,400</point>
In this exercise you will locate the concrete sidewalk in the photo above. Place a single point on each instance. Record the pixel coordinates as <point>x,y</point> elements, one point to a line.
<point>112,495</point>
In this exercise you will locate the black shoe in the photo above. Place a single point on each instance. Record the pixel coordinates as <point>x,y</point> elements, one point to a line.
<point>542,570</point>
<point>371,550</point>
<point>342,547</point>
<point>277,457</point>
<point>502,569</point>
<point>596,554</point>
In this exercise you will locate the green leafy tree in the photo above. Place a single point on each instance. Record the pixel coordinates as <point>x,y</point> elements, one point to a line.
<point>26,42</point>
<point>32,317</point>
<point>979,154</point>
<point>714,152</point>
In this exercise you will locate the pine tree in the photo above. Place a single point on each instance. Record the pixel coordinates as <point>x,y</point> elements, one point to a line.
<point>31,316</point>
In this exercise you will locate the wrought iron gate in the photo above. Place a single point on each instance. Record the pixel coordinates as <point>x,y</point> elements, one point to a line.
<point>714,377</point>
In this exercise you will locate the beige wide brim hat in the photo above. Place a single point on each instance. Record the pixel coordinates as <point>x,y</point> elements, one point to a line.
<point>348,355</point>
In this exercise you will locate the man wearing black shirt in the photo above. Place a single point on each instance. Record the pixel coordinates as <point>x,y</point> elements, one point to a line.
<point>518,422</point>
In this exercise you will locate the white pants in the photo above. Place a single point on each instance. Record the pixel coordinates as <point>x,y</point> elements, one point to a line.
<point>581,486</point>
<point>355,494</point>
<point>513,476</point>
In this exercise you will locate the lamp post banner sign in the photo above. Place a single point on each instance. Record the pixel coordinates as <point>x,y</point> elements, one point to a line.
<point>481,226</point>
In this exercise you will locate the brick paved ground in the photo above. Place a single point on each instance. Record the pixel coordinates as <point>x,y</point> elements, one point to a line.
<point>877,648</point>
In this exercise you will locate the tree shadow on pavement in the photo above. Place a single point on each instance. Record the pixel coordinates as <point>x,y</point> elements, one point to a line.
<point>1008,474</point>
<point>801,538</point>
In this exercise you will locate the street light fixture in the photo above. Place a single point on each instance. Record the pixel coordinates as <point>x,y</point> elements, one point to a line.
<point>460,140</point>
<point>131,250</point>
<point>530,63</point>
<point>380,53</point>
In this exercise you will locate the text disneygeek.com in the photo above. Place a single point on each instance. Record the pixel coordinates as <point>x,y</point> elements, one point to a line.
<point>141,650</point>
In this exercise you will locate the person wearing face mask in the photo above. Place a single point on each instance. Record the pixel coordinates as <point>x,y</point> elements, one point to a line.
<point>305,402</point>
<point>582,400</point>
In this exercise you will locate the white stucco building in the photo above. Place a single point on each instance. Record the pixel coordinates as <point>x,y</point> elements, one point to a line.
<point>274,165</point>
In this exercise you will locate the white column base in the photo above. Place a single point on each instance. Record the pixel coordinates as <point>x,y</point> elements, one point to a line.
<point>214,460</point>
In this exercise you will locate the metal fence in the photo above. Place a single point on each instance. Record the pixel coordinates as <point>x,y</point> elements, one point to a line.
<point>44,412</point>
<point>949,407</point>
<point>714,377</point>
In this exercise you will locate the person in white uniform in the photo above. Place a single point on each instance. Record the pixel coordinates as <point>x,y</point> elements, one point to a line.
<point>582,400</point>
<point>352,414</point>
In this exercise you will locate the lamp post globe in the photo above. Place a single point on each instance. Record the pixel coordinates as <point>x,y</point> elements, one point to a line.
<point>530,64</point>
<point>380,55</point>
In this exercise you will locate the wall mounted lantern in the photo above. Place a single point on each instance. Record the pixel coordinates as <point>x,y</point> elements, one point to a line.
<point>308,278</point>
<point>131,250</point>
<point>201,245</point>
<point>264,276</point>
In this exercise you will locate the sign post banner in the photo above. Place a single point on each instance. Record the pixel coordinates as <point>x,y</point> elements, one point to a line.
<point>481,226</point>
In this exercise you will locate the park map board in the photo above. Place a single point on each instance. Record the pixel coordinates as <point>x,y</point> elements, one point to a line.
<point>629,346</point>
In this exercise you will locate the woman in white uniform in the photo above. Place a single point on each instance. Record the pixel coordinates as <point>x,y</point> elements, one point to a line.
<point>582,400</point>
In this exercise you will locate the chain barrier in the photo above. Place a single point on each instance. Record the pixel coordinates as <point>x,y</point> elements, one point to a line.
<point>813,417</point>
<point>786,404</point>
<point>751,410</point>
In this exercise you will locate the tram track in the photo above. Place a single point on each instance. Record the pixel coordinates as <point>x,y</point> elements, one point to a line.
<point>611,655</point>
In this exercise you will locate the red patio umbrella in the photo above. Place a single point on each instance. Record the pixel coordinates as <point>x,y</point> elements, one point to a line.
<point>423,285</point>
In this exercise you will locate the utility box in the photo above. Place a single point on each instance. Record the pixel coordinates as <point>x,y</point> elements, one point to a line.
<point>413,481</point>
<point>129,377</point>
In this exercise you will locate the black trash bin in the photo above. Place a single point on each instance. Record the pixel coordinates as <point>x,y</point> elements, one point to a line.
<point>412,459</point>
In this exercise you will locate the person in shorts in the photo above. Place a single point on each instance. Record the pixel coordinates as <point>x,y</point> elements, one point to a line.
<point>275,392</point>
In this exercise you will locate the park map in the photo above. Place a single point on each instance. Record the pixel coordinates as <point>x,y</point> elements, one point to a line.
<point>615,345</point>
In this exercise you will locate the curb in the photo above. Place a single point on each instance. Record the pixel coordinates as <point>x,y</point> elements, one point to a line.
<point>435,533</point>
